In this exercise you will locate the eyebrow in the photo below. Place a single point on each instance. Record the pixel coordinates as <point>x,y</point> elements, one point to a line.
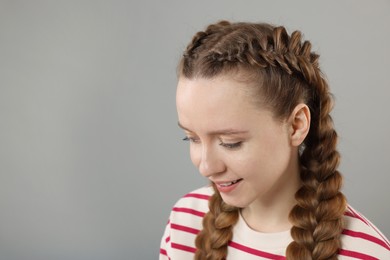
<point>228,131</point>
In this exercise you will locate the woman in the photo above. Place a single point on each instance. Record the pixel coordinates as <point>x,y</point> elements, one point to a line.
<point>255,107</point>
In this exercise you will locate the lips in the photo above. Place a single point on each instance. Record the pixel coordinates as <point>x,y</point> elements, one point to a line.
<point>227,186</point>
<point>229,183</point>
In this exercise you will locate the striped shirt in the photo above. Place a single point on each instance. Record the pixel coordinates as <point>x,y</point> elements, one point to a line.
<point>360,238</point>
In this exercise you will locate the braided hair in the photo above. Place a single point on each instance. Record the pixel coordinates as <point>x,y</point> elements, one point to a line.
<point>287,73</point>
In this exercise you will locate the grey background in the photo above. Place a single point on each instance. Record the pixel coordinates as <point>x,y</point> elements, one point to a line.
<point>91,158</point>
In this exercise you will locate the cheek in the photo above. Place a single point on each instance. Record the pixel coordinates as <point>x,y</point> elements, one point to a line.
<point>263,159</point>
<point>243,163</point>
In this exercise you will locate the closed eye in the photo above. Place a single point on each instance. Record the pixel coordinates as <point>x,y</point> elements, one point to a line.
<point>231,145</point>
<point>190,139</point>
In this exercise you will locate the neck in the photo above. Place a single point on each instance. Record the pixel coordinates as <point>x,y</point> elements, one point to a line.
<point>270,213</point>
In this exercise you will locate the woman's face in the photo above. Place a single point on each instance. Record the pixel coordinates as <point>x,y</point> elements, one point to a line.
<point>238,146</point>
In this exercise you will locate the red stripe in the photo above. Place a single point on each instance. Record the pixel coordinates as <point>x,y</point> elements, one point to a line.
<point>183,248</point>
<point>167,239</point>
<point>374,228</point>
<point>255,252</point>
<point>185,229</point>
<point>163,252</point>
<point>190,211</point>
<point>381,235</point>
<point>198,196</point>
<point>355,214</point>
<point>366,237</point>
<point>356,255</point>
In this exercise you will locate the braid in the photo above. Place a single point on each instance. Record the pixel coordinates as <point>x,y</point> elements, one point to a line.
<point>320,194</point>
<point>289,74</point>
<point>196,46</point>
<point>318,216</point>
<point>212,241</point>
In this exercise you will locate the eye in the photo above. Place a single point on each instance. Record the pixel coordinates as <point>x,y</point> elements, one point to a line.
<point>231,145</point>
<point>191,139</point>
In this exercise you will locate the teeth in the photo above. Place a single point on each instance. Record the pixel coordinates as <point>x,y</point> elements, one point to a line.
<point>229,183</point>
<point>226,184</point>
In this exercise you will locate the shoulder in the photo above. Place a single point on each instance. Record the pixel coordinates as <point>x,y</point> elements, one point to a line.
<point>361,238</point>
<point>194,203</point>
<point>185,222</point>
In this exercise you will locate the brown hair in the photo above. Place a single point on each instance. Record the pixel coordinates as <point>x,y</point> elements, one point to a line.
<point>287,73</point>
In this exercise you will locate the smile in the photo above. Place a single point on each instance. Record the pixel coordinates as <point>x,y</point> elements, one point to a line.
<point>230,183</point>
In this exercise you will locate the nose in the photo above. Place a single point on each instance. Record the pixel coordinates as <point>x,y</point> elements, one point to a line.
<point>210,162</point>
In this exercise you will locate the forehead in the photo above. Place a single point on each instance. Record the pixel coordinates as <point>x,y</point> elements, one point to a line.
<point>220,102</point>
<point>214,92</point>
<point>224,85</point>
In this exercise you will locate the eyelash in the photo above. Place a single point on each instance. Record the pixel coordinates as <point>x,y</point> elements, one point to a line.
<point>189,139</point>
<point>226,145</point>
<point>231,145</point>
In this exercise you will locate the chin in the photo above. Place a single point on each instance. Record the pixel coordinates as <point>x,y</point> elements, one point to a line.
<point>234,202</point>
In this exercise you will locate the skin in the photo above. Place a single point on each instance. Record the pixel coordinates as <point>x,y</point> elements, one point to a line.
<point>231,138</point>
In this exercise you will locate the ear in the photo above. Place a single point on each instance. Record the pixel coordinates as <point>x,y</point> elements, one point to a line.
<point>299,124</point>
